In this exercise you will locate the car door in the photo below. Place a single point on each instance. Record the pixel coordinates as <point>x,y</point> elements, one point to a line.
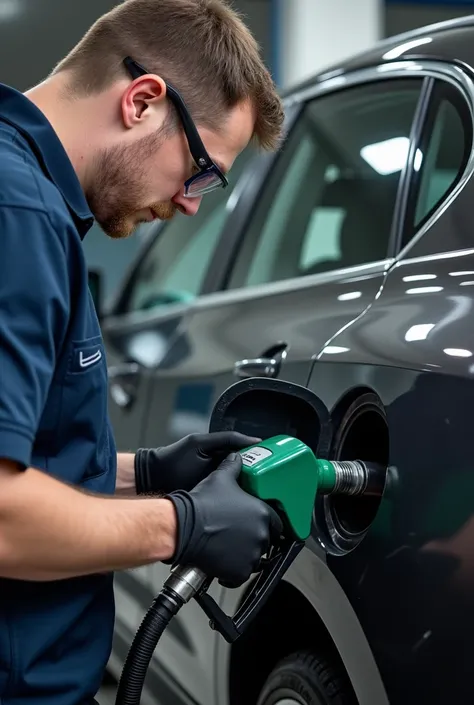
<point>310,254</point>
<point>309,257</point>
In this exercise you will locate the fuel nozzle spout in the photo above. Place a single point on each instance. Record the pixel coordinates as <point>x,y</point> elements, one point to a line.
<point>351,477</point>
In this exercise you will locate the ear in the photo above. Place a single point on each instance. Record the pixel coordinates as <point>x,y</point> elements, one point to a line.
<point>144,93</point>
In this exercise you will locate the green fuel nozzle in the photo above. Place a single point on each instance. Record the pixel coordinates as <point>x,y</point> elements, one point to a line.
<point>284,472</point>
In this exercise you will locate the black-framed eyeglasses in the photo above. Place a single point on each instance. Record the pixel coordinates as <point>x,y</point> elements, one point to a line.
<point>209,176</point>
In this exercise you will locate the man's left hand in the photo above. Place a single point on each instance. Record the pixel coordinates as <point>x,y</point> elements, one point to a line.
<point>182,465</point>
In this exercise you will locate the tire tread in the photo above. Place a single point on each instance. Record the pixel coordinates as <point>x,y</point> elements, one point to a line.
<point>321,676</point>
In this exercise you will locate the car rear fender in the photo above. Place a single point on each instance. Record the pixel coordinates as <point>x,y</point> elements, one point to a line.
<point>316,583</point>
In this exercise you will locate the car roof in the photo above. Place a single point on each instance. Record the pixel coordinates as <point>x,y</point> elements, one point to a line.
<point>446,41</point>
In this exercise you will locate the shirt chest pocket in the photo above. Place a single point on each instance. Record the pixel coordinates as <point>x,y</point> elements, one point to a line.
<point>74,425</point>
<point>84,393</point>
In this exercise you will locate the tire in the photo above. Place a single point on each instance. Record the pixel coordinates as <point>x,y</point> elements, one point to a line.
<point>306,679</point>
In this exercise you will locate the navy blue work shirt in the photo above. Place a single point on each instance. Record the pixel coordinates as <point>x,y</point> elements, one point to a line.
<point>55,637</point>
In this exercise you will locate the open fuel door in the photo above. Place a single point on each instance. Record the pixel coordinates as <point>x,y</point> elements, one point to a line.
<point>268,407</point>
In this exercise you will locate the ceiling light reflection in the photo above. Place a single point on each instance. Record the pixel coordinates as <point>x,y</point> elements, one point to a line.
<point>419,332</point>
<point>397,65</point>
<point>425,290</point>
<point>334,350</point>
<point>418,161</point>
<point>148,348</point>
<point>406,46</point>
<point>388,156</point>
<point>10,9</point>
<point>418,277</point>
<point>457,352</point>
<point>350,296</point>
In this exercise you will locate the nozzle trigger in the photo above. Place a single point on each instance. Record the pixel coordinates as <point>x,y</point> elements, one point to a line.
<point>275,566</point>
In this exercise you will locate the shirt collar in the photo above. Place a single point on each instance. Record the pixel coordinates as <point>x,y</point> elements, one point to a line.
<point>19,111</point>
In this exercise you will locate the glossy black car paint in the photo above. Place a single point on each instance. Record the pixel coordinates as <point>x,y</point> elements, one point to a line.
<point>412,585</point>
<point>411,580</point>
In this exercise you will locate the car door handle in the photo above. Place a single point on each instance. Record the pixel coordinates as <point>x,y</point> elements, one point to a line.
<point>256,367</point>
<point>123,381</point>
<point>269,365</point>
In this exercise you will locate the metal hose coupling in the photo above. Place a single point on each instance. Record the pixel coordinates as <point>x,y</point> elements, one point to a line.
<point>184,582</point>
<point>356,478</point>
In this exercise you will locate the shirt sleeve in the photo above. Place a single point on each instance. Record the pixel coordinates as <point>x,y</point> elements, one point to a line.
<point>34,314</point>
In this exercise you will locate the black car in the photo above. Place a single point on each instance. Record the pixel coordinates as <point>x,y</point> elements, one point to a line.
<point>344,264</point>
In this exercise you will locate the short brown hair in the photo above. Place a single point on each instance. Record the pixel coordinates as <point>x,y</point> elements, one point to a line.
<point>202,47</point>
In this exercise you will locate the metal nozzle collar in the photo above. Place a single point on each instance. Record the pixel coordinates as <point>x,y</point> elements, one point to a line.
<point>185,581</point>
<point>351,477</point>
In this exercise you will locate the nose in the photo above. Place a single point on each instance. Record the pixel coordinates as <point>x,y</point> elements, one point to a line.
<point>187,206</point>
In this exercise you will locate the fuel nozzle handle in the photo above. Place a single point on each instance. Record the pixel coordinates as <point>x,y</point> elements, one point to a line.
<point>284,472</point>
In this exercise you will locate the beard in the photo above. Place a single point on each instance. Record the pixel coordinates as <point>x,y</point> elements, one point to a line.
<point>115,194</point>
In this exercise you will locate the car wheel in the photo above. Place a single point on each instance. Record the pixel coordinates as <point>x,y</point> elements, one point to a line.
<point>306,679</point>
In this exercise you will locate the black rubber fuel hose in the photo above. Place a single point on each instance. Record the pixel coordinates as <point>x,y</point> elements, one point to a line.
<point>159,615</point>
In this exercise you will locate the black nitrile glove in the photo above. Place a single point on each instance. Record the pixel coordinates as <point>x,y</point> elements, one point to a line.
<point>182,465</point>
<point>223,530</point>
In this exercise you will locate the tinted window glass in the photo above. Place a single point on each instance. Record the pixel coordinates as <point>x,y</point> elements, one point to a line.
<point>329,201</point>
<point>442,156</point>
<point>174,268</point>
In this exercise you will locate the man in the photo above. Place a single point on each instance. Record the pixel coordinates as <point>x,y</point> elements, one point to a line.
<point>143,117</point>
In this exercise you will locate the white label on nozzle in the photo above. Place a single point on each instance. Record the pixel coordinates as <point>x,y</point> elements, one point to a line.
<point>254,455</point>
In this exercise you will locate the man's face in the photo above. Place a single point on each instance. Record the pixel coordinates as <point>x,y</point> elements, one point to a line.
<point>143,180</point>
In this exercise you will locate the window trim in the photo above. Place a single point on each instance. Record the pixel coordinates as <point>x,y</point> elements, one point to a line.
<point>222,296</point>
<point>455,188</point>
<point>240,206</point>
<point>408,175</point>
<point>459,105</point>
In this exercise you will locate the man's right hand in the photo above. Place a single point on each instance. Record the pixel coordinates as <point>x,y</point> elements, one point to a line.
<point>223,530</point>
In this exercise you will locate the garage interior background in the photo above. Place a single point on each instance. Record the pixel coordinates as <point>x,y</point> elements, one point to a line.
<point>298,38</point>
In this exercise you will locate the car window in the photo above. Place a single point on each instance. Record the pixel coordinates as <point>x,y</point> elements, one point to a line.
<point>329,201</point>
<point>443,153</point>
<point>174,268</point>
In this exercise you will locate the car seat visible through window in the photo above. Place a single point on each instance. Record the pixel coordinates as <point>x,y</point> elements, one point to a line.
<point>365,207</point>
